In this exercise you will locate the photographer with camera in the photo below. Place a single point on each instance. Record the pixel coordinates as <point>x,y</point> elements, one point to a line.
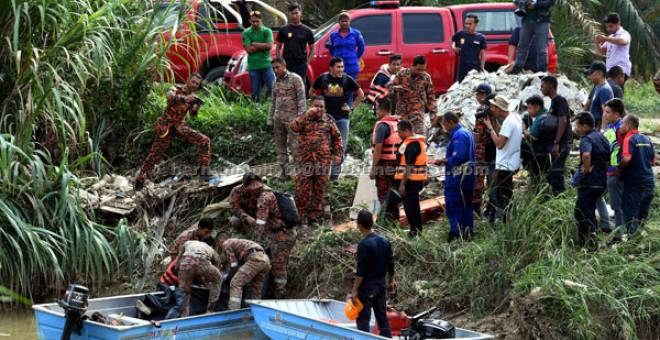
<point>534,28</point>
<point>485,148</point>
<point>180,101</point>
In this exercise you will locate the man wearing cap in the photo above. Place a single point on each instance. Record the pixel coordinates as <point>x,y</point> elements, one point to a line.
<point>269,229</point>
<point>601,93</point>
<point>507,158</point>
<point>375,261</point>
<point>485,148</point>
<point>616,46</point>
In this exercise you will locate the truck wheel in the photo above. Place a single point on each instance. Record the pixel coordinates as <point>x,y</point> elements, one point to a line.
<point>215,75</point>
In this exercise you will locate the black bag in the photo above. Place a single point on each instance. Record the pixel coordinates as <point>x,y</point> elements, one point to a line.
<point>549,125</point>
<point>288,209</point>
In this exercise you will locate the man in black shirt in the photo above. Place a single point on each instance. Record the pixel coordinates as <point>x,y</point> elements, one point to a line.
<point>374,262</point>
<point>590,179</point>
<point>335,87</point>
<point>293,41</point>
<point>563,138</point>
<point>471,46</point>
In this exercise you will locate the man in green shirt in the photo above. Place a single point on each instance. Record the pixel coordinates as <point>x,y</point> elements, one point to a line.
<point>258,41</point>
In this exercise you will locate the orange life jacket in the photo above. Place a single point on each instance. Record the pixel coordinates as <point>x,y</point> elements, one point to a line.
<point>377,92</point>
<point>392,142</point>
<point>420,169</point>
<point>169,278</point>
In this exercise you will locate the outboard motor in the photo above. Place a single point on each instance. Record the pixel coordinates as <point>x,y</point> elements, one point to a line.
<point>428,325</point>
<point>75,304</point>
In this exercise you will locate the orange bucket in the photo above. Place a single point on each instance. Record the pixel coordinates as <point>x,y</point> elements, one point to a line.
<point>353,308</point>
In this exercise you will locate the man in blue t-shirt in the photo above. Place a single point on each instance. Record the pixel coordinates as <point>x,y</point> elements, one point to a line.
<point>590,179</point>
<point>636,171</point>
<point>471,47</point>
<point>602,93</point>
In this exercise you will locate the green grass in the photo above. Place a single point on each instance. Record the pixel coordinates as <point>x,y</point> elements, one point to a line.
<point>641,99</point>
<point>526,269</point>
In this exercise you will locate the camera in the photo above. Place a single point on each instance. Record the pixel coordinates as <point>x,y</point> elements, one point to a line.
<point>521,7</point>
<point>486,111</point>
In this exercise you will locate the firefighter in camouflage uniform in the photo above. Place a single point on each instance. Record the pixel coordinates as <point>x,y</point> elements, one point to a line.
<point>249,266</point>
<point>319,147</point>
<point>415,95</point>
<point>180,101</point>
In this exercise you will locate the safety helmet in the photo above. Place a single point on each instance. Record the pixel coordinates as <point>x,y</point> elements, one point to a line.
<point>353,308</point>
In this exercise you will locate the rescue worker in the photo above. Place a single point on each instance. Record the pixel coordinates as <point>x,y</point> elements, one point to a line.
<point>636,169</point>
<point>590,178</point>
<point>415,94</point>
<point>243,208</point>
<point>385,143</point>
<point>470,45</point>
<point>320,146</point>
<point>375,261</point>
<point>198,260</point>
<point>248,265</point>
<point>460,176</point>
<point>409,180</point>
<point>378,89</point>
<point>485,148</point>
<point>613,114</point>
<point>279,239</point>
<point>199,232</point>
<point>288,102</point>
<point>180,101</point>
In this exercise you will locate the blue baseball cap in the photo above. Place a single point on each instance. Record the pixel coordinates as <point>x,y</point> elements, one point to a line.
<point>484,88</point>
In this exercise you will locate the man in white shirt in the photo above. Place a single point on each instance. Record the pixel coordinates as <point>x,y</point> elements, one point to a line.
<point>507,157</point>
<point>616,46</point>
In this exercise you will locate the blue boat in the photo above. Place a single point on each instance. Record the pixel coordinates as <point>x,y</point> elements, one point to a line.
<point>318,319</point>
<point>232,325</point>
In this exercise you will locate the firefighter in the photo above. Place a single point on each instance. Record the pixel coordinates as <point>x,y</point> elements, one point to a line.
<point>180,101</point>
<point>319,146</point>
<point>198,260</point>
<point>378,89</point>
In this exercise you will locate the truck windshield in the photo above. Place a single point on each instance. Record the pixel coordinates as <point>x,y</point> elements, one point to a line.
<point>323,29</point>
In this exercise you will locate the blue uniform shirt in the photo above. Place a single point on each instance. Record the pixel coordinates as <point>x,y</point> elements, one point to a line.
<point>349,48</point>
<point>639,172</point>
<point>602,93</point>
<point>599,148</point>
<point>374,261</point>
<point>461,159</point>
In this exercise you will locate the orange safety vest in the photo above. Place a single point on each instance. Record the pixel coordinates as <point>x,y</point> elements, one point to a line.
<point>169,278</point>
<point>420,170</point>
<point>392,142</point>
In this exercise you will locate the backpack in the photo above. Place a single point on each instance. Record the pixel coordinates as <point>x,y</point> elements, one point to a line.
<point>288,209</point>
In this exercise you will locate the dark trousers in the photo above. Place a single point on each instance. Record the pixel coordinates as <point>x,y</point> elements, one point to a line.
<point>537,32</point>
<point>168,306</point>
<point>585,214</point>
<point>557,170</point>
<point>503,188</point>
<point>299,69</point>
<point>410,204</point>
<point>378,303</point>
<point>463,70</point>
<point>635,203</point>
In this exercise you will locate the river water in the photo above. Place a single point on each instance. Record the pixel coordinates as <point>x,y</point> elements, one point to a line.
<point>17,325</point>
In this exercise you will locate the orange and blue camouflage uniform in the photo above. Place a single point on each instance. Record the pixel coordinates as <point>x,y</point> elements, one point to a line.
<point>198,260</point>
<point>251,264</point>
<point>281,239</point>
<point>319,142</point>
<point>288,102</point>
<point>172,123</point>
<point>415,95</point>
<point>189,234</point>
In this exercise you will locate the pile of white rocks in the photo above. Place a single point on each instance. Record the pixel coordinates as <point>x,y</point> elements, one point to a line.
<point>461,96</point>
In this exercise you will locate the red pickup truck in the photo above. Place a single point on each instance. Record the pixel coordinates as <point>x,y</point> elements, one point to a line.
<point>388,29</point>
<point>210,32</point>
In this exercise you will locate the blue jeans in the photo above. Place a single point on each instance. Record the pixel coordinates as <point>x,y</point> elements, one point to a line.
<point>615,193</point>
<point>636,201</point>
<point>259,78</point>
<point>176,311</point>
<point>353,71</point>
<point>343,125</point>
<point>537,32</point>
